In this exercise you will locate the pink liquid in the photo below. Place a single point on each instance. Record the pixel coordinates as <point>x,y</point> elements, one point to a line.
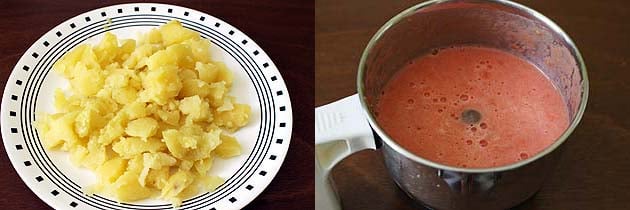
<point>472,107</point>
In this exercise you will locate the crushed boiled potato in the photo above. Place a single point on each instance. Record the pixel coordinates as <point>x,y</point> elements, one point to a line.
<point>147,116</point>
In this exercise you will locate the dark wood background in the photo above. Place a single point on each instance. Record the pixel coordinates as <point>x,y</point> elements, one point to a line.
<point>284,29</point>
<point>594,171</point>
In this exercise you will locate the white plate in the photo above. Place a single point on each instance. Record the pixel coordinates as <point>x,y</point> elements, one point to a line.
<point>51,176</point>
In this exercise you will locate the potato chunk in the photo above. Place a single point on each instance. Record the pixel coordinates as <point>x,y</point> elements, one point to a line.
<point>112,169</point>
<point>129,147</point>
<point>173,32</point>
<point>176,184</point>
<point>229,147</point>
<point>161,85</point>
<point>144,127</point>
<point>233,119</point>
<point>127,188</point>
<point>195,108</point>
<point>208,72</point>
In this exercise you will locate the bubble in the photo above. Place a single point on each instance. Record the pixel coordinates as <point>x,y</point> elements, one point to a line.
<point>464,165</point>
<point>440,154</point>
<point>477,66</point>
<point>473,129</point>
<point>435,51</point>
<point>498,93</point>
<point>523,155</point>
<point>427,94</point>
<point>443,99</point>
<point>483,125</point>
<point>455,104</point>
<point>463,97</point>
<point>410,101</point>
<point>440,110</point>
<point>412,84</point>
<point>483,143</point>
<point>418,128</point>
<point>469,142</point>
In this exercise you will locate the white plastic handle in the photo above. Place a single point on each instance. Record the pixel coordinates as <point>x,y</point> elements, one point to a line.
<point>341,129</point>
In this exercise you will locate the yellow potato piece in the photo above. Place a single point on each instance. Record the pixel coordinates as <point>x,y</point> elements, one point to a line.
<point>107,50</point>
<point>111,170</point>
<point>144,127</point>
<point>136,110</point>
<point>207,143</point>
<point>212,182</point>
<point>161,85</point>
<point>176,184</point>
<point>87,82</point>
<point>194,87</point>
<point>233,119</point>
<point>195,108</point>
<point>127,188</point>
<point>203,166</point>
<point>208,72</point>
<point>60,130</point>
<point>148,116</point>
<point>173,32</point>
<point>128,147</point>
<point>155,161</point>
<point>173,140</point>
<point>229,147</point>
<point>200,49</point>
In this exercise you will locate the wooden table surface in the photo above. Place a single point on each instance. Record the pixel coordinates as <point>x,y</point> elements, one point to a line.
<point>288,41</point>
<point>593,172</point>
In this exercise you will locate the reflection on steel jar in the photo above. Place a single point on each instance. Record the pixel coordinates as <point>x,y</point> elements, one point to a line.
<point>349,125</point>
